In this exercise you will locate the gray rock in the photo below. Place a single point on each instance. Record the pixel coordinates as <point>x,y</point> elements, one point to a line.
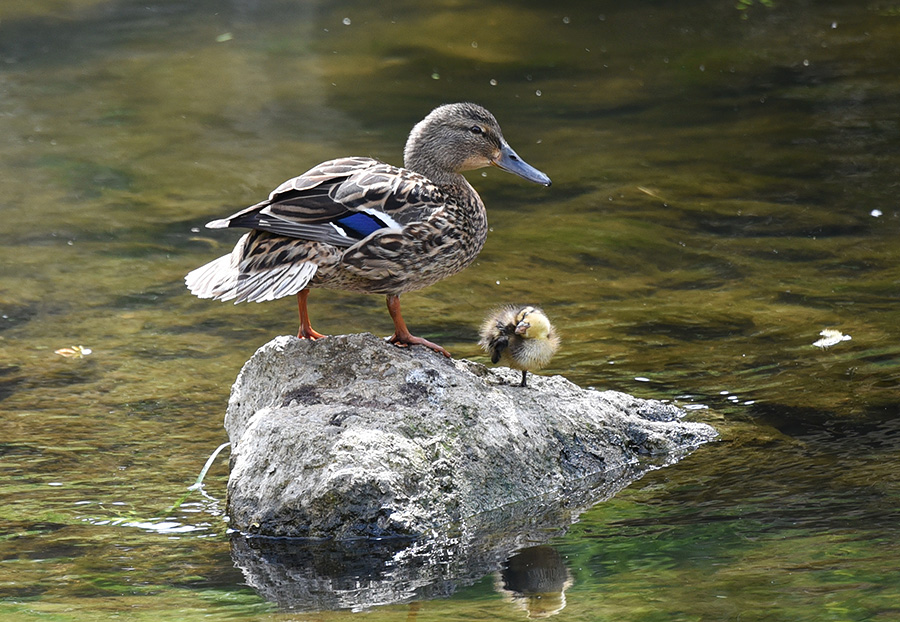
<point>349,436</point>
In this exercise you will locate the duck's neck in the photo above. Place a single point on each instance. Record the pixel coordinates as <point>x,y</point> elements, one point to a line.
<point>423,154</point>
<point>441,177</point>
<point>424,165</point>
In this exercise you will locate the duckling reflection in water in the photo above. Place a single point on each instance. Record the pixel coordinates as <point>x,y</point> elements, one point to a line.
<point>535,580</point>
<point>519,337</point>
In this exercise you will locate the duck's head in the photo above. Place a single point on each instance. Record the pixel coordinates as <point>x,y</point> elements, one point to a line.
<point>531,323</point>
<point>463,137</point>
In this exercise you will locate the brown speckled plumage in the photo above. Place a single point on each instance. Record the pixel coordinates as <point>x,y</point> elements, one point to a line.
<point>361,225</point>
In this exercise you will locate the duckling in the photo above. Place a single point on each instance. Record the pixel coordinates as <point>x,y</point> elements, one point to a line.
<point>521,337</point>
<point>360,225</point>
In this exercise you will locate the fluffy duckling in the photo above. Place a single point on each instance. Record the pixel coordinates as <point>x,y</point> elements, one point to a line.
<point>520,337</point>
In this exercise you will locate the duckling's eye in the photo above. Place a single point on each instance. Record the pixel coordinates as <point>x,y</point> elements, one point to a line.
<point>476,129</point>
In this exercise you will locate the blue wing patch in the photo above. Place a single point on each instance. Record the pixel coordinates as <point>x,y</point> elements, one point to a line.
<point>360,224</point>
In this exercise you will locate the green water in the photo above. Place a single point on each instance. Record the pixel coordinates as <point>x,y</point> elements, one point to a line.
<point>725,188</point>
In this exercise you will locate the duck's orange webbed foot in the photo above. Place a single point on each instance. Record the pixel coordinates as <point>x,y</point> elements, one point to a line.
<point>402,337</point>
<point>306,330</point>
<point>404,341</point>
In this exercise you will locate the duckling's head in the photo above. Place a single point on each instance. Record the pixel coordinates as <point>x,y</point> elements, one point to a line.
<point>462,137</point>
<point>531,323</point>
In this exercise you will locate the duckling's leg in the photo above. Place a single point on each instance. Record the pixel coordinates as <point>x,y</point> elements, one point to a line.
<point>402,337</point>
<point>306,330</point>
<point>524,374</point>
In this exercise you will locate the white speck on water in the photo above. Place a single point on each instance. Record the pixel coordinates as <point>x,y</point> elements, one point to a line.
<point>641,379</point>
<point>346,21</point>
<point>164,527</point>
<point>493,82</point>
<point>831,337</point>
<point>538,93</point>
<point>875,213</point>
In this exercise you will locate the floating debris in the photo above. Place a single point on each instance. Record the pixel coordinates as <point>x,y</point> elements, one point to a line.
<point>74,352</point>
<point>831,337</point>
<point>650,192</point>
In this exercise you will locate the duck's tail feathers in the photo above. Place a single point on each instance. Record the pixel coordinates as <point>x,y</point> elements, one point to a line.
<point>222,279</point>
<point>221,223</point>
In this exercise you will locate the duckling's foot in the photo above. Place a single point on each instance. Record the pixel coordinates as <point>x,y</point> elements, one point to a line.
<point>407,340</point>
<point>524,377</point>
<point>402,337</point>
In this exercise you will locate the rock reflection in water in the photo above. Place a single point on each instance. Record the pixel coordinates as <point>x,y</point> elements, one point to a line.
<point>315,575</point>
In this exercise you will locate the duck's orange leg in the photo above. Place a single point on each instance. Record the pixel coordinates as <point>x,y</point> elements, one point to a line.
<point>402,337</point>
<point>306,330</point>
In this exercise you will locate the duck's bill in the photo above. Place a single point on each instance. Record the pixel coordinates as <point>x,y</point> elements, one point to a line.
<point>510,162</point>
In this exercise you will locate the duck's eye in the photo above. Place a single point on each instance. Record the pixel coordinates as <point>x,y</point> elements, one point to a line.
<point>476,129</point>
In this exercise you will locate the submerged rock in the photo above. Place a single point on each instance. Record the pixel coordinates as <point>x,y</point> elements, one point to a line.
<point>349,436</point>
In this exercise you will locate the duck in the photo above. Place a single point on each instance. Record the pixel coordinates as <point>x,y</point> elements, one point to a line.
<point>520,337</point>
<point>361,225</point>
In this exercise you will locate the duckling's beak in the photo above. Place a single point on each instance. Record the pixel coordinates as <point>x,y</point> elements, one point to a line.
<point>522,327</point>
<point>510,162</point>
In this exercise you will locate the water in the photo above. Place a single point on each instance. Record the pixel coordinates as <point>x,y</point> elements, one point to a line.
<point>724,190</point>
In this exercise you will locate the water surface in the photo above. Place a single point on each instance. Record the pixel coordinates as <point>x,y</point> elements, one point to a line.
<point>725,187</point>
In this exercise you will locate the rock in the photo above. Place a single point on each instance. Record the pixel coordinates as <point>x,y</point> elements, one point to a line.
<point>350,436</point>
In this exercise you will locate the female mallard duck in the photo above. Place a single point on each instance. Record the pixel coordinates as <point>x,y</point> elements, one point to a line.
<point>360,225</point>
<point>521,337</point>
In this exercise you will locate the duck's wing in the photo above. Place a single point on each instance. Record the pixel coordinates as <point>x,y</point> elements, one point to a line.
<point>341,202</point>
<point>496,346</point>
